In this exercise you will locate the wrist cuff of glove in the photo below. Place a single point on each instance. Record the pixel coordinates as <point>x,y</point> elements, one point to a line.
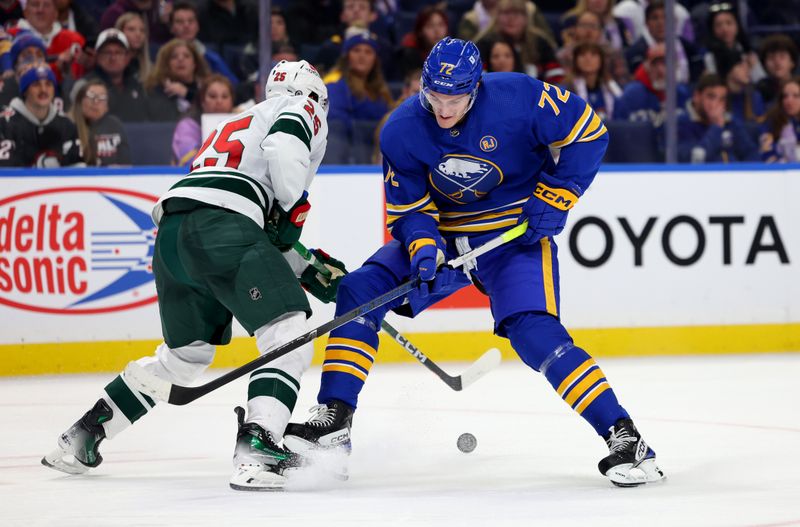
<point>560,198</point>
<point>418,244</point>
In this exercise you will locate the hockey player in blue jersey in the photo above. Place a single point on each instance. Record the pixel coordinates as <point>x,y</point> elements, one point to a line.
<point>469,158</point>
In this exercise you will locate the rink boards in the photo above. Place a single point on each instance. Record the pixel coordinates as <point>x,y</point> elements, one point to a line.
<point>654,260</point>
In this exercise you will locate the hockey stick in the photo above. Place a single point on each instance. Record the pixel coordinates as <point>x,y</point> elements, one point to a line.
<point>161,389</point>
<point>476,370</point>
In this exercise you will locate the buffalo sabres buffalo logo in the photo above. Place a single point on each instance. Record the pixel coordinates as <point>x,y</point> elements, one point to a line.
<point>488,143</point>
<point>463,178</point>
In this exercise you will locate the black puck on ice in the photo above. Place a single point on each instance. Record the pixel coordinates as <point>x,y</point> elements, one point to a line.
<point>466,442</point>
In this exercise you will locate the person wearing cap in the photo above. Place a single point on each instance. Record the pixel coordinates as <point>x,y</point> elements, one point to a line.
<point>33,131</point>
<point>41,19</point>
<point>357,89</point>
<point>707,133</point>
<point>643,98</point>
<point>356,14</point>
<point>27,51</point>
<point>126,96</point>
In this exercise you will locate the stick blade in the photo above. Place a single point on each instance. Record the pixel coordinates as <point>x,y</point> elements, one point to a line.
<point>485,363</point>
<point>146,382</point>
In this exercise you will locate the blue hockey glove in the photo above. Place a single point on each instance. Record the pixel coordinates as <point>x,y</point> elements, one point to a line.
<point>426,256</point>
<point>284,227</point>
<point>546,212</point>
<point>323,285</point>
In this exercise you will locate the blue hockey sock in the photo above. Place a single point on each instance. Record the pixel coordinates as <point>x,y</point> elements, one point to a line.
<point>544,345</point>
<point>349,356</point>
<point>578,380</point>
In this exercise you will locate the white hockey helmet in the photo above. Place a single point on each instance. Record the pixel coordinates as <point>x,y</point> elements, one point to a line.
<point>297,78</point>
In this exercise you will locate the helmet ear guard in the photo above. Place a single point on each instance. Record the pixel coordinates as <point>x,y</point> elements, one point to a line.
<point>453,67</point>
<point>297,78</point>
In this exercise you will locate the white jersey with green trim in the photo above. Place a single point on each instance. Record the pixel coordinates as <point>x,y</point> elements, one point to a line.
<point>269,153</point>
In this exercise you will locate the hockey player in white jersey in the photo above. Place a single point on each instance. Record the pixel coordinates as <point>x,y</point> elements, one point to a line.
<point>223,250</point>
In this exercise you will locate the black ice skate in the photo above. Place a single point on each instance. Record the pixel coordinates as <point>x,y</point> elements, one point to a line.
<point>325,437</point>
<point>630,462</point>
<point>77,450</point>
<point>259,463</point>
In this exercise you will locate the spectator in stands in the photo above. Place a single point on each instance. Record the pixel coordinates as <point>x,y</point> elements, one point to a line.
<point>780,137</point>
<point>27,51</point>
<point>356,86</point>
<point>153,12</point>
<point>534,47</point>
<point>135,30</point>
<point>590,79</point>
<point>479,18</point>
<point>103,138</point>
<point>689,59</point>
<point>615,33</point>
<point>183,25</point>
<point>411,87</point>
<point>62,44</point>
<point>724,33</point>
<point>744,101</point>
<point>589,29</point>
<point>73,17</point>
<point>173,83</point>
<point>643,98</point>
<point>707,133</point>
<point>359,14</point>
<point>126,96</point>
<point>476,20</point>
<point>278,32</point>
<point>33,131</point>
<point>778,54</point>
<point>10,12</point>
<point>430,27</point>
<point>228,25</point>
<point>632,13</point>
<point>215,96</point>
<point>503,57</point>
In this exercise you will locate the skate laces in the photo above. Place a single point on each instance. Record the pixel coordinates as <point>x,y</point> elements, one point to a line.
<point>619,439</point>
<point>323,415</point>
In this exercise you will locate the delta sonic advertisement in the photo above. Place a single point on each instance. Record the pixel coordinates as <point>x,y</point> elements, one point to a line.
<point>71,247</point>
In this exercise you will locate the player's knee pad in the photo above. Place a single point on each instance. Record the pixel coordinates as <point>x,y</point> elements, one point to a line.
<point>534,336</point>
<point>181,365</point>
<point>280,331</point>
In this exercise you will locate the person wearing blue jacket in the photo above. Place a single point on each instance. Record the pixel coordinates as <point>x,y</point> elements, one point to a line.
<point>707,133</point>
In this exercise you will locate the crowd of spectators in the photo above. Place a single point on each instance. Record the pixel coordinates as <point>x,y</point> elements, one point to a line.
<point>80,72</point>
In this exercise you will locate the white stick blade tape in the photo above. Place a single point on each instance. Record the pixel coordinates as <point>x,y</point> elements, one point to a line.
<point>487,362</point>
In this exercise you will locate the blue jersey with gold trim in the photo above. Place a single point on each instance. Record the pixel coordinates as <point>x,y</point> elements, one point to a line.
<point>474,177</point>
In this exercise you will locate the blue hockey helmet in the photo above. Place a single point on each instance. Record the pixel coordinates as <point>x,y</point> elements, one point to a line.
<point>453,67</point>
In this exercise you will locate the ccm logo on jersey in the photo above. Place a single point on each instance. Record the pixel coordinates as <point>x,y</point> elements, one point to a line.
<point>559,198</point>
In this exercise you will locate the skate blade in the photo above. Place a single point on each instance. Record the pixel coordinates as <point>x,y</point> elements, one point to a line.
<point>626,475</point>
<point>255,479</point>
<point>57,460</point>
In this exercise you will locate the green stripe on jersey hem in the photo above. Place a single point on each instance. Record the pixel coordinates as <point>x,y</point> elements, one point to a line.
<point>126,400</point>
<point>228,174</point>
<point>291,127</point>
<point>275,388</point>
<point>228,184</point>
<point>280,373</point>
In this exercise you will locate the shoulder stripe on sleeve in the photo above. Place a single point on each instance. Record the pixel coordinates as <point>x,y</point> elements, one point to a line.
<point>592,137</point>
<point>292,126</point>
<point>587,113</point>
<point>594,124</point>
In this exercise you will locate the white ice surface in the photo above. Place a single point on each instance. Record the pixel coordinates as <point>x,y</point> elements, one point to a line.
<point>726,430</point>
